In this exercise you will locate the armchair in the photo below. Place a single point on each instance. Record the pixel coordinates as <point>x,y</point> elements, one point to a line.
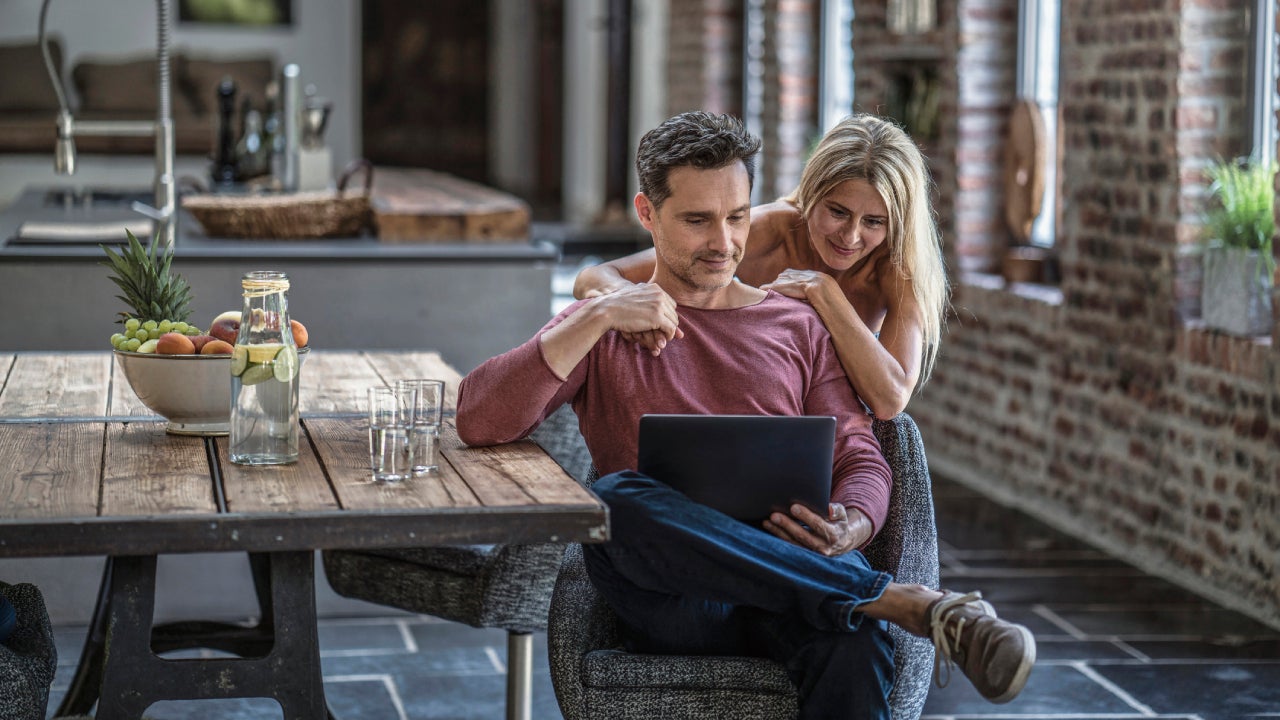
<point>28,658</point>
<point>594,678</point>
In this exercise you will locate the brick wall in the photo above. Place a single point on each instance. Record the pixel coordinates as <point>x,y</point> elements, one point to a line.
<point>1097,405</point>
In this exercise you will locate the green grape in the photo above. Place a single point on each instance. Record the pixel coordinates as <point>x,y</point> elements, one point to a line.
<point>116,339</point>
<point>181,327</point>
<point>165,326</point>
<point>141,334</point>
<point>154,333</point>
<point>132,345</point>
<point>131,325</point>
<point>150,325</point>
<point>193,330</point>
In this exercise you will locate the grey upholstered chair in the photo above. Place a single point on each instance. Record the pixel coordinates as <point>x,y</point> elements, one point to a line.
<point>28,657</point>
<point>493,586</point>
<point>595,679</point>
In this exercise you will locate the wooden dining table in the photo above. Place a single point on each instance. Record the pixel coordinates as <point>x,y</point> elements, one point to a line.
<point>86,469</point>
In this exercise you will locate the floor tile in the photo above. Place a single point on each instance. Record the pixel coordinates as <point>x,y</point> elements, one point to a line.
<point>1050,690</point>
<point>1213,691</point>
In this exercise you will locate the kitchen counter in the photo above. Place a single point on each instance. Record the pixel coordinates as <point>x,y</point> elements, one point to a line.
<point>467,300</point>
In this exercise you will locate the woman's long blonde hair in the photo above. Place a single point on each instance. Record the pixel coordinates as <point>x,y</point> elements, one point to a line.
<point>874,149</point>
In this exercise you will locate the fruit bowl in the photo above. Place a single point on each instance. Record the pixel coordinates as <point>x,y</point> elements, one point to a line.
<point>192,392</point>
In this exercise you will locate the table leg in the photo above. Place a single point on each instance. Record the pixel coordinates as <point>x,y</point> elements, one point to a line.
<point>83,691</point>
<point>134,677</point>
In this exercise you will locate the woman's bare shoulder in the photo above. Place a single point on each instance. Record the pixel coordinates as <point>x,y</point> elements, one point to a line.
<point>772,225</point>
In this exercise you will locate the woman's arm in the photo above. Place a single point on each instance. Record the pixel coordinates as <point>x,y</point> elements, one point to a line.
<point>615,274</point>
<point>883,371</point>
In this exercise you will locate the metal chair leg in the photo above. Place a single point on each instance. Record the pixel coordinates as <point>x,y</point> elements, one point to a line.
<point>519,675</point>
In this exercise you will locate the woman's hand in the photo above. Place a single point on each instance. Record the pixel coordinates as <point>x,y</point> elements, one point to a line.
<point>799,284</point>
<point>838,533</point>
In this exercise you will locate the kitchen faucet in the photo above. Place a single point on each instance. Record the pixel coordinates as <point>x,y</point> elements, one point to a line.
<point>165,210</point>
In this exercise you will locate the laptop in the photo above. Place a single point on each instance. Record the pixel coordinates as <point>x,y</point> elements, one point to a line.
<point>745,466</point>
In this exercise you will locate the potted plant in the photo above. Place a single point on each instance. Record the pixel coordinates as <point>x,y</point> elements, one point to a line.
<point>1238,264</point>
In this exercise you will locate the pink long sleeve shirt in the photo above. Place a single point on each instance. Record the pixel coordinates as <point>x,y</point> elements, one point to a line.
<point>772,358</point>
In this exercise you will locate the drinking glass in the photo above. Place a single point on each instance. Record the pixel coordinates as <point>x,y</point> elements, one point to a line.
<point>390,455</point>
<point>426,403</point>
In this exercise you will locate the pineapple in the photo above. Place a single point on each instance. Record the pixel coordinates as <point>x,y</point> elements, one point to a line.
<point>148,287</point>
<point>160,300</point>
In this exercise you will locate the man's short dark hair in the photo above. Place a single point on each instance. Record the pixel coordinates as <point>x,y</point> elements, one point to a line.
<point>696,139</point>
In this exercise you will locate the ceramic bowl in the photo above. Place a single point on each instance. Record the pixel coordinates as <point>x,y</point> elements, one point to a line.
<point>192,392</point>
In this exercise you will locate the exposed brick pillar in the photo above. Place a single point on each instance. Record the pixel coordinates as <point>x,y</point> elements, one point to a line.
<point>790,103</point>
<point>704,61</point>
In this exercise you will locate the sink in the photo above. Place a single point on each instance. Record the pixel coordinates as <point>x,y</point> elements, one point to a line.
<point>72,215</point>
<point>71,198</point>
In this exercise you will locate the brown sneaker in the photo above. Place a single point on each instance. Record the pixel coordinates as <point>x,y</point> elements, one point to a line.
<point>996,655</point>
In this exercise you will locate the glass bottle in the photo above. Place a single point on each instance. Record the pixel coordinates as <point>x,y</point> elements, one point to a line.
<point>264,375</point>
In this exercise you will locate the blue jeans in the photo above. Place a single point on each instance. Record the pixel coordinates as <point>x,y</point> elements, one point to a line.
<point>688,580</point>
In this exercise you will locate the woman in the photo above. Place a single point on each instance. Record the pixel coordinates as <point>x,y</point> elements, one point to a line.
<point>856,240</point>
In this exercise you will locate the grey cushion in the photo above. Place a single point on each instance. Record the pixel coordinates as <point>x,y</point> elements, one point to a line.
<point>28,658</point>
<point>501,586</point>
<point>594,678</point>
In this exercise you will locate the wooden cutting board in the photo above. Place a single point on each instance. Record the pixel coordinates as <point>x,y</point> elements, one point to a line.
<point>417,205</point>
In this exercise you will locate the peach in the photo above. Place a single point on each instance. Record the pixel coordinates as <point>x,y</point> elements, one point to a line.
<point>216,347</point>
<point>299,333</point>
<point>173,343</point>
<point>200,340</point>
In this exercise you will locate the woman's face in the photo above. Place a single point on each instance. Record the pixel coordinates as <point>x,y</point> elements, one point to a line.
<point>847,224</point>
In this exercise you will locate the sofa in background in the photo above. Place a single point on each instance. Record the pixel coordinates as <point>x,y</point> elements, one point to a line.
<point>120,88</point>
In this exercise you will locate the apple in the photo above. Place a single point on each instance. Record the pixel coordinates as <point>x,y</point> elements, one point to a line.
<point>226,327</point>
<point>199,341</point>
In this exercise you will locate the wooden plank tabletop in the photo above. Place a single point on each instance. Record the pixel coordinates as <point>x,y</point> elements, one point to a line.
<point>91,385</point>
<point>82,473</point>
<point>416,205</point>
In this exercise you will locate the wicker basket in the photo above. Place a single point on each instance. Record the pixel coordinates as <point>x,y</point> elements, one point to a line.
<point>291,216</point>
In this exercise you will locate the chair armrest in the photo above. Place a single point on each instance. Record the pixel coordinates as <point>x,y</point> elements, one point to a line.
<point>907,545</point>
<point>28,658</point>
<point>579,623</point>
<point>517,586</point>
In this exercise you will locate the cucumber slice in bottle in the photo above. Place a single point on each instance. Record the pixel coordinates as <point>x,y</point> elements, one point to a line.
<point>239,360</point>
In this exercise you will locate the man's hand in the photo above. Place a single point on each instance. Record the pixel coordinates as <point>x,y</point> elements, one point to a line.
<point>798,284</point>
<point>836,534</point>
<point>644,313</point>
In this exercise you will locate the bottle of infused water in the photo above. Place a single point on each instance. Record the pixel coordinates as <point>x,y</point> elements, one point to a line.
<point>264,375</point>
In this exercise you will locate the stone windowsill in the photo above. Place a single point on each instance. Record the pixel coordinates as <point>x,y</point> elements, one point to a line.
<point>1046,294</point>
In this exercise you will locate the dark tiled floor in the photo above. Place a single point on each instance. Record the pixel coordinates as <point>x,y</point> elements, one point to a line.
<point>1113,643</point>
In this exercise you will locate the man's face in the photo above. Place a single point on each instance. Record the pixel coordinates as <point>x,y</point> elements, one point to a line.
<point>700,232</point>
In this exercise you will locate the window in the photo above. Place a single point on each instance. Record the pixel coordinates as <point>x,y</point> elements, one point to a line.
<point>835,68</point>
<point>1038,30</point>
<point>1263,75</point>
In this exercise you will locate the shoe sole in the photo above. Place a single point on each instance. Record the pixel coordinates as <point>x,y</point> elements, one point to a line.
<point>1024,670</point>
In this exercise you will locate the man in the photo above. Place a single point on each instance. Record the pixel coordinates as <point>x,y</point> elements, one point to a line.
<point>682,577</point>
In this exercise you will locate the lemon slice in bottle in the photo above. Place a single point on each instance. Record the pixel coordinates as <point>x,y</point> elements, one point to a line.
<point>264,353</point>
<point>286,363</point>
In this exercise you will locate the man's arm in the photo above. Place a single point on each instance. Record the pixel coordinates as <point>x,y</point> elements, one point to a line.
<point>507,396</point>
